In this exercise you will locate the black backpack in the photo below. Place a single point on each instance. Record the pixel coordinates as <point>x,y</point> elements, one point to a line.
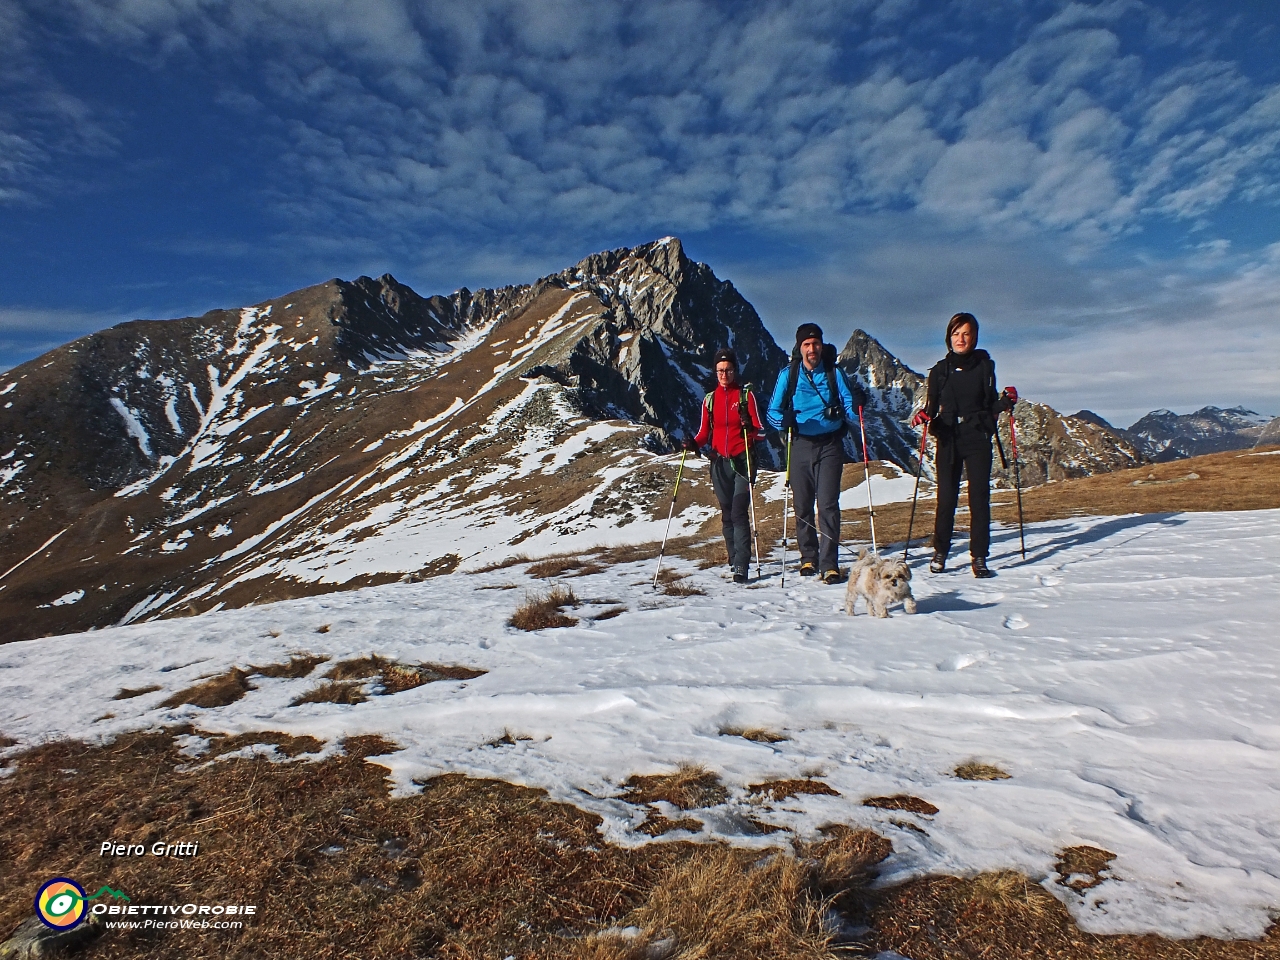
<point>833,410</point>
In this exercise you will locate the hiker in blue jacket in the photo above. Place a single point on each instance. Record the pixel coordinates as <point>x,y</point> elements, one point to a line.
<point>811,404</point>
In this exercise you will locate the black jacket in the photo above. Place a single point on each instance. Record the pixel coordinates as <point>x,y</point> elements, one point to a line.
<point>962,399</point>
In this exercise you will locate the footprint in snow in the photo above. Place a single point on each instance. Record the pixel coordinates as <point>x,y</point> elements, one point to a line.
<point>961,660</point>
<point>1047,581</point>
<point>1015,622</point>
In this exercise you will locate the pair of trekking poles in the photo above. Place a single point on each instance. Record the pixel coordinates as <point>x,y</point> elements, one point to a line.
<point>871,511</point>
<point>1017,481</point>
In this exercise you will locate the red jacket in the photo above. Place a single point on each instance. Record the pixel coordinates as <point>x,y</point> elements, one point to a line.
<point>726,437</point>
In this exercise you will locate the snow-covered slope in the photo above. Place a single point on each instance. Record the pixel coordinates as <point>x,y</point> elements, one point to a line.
<point>1124,676</point>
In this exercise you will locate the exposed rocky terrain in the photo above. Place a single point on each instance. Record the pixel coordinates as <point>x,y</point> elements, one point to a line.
<point>354,433</point>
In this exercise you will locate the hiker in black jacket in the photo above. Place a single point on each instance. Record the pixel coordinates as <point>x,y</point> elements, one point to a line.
<point>961,408</point>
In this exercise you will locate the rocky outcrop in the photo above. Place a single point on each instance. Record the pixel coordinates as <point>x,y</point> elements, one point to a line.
<point>1053,447</point>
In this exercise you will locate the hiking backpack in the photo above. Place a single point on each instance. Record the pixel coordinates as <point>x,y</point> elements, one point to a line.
<point>833,409</point>
<point>744,411</point>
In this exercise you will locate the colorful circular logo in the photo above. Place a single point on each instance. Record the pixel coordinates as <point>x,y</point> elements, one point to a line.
<point>60,903</point>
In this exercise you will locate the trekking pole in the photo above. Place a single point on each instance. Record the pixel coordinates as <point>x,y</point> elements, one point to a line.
<point>866,466</point>
<point>670,511</point>
<point>751,485</point>
<point>786,505</point>
<point>924,441</point>
<point>1017,481</point>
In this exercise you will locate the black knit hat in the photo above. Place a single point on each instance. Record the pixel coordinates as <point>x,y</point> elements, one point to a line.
<point>808,331</point>
<point>724,354</point>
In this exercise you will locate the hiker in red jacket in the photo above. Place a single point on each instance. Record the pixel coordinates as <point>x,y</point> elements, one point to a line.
<point>730,424</point>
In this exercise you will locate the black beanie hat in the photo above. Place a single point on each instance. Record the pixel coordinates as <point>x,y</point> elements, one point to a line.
<point>725,354</point>
<point>807,331</point>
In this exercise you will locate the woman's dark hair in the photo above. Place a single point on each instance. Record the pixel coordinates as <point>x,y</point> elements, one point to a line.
<point>959,320</point>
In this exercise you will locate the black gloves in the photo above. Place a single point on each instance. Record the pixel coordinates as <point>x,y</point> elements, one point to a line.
<point>690,446</point>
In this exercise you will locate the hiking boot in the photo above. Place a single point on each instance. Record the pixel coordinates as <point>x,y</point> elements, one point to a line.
<point>739,576</point>
<point>808,568</point>
<point>938,564</point>
<point>832,576</point>
<point>980,569</point>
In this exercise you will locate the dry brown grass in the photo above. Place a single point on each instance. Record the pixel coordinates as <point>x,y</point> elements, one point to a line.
<point>657,825</point>
<point>387,676</point>
<point>559,566</point>
<point>542,611</point>
<point>1235,480</point>
<point>781,789</point>
<point>691,786</point>
<point>754,734</point>
<point>973,770</point>
<point>347,693</point>
<point>673,584</point>
<point>337,867</point>
<point>610,613</point>
<point>901,801</point>
<point>217,691</point>
<point>474,869</point>
<point>299,665</point>
<point>290,746</point>
<point>1005,916</point>
<point>128,693</point>
<point>323,628</point>
<point>1081,868</point>
<point>516,560</point>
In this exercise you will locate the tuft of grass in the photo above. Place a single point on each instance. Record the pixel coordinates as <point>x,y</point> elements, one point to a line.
<point>781,789</point>
<point>673,585</point>
<point>542,611</point>
<point>284,743</point>
<point>1081,868</point>
<point>369,745</point>
<point>901,801</point>
<point>1003,892</point>
<point>724,903</point>
<point>516,560</point>
<point>754,734</point>
<point>677,589</point>
<point>347,692</point>
<point>657,825</point>
<point>128,693</point>
<point>558,566</point>
<point>610,613</point>
<point>217,691</point>
<point>973,770</point>
<point>299,665</point>
<point>689,787</point>
<point>323,628</point>
<point>626,553</point>
<point>392,677</point>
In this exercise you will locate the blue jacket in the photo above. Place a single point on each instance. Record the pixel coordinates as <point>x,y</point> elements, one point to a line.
<point>811,399</point>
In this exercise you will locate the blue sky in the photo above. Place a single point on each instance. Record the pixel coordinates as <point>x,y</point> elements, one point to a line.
<point>1098,182</point>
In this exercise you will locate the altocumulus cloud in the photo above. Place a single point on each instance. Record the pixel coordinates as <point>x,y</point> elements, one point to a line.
<point>685,115</point>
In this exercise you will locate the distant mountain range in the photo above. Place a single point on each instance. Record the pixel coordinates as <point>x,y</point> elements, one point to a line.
<point>1163,435</point>
<point>354,433</point>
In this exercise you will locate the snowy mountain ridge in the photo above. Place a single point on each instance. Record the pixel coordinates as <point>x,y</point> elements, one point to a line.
<point>355,433</point>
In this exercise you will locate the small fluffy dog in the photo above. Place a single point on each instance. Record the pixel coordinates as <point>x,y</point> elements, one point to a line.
<point>880,582</point>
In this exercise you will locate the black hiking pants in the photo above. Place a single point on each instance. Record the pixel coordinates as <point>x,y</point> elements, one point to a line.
<point>729,480</point>
<point>975,459</point>
<point>816,466</point>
